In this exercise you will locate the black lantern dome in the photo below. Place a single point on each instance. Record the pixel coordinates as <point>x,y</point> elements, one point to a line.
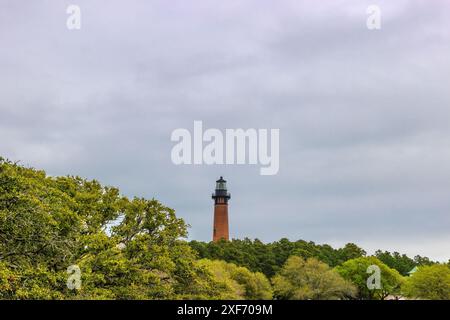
<point>221,191</point>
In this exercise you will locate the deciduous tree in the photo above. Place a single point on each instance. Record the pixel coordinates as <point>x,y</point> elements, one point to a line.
<point>301,279</point>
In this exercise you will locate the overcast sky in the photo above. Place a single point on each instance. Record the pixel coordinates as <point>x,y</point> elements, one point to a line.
<point>364,115</point>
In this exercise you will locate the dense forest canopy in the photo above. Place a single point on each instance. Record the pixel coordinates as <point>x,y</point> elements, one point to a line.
<point>268,258</point>
<point>53,227</point>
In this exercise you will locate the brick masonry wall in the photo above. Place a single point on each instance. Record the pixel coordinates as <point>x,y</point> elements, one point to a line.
<point>220,230</point>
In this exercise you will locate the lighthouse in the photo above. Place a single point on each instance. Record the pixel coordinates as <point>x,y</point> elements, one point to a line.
<point>221,197</point>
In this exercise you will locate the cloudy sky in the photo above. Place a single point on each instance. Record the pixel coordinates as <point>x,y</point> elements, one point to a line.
<point>364,115</point>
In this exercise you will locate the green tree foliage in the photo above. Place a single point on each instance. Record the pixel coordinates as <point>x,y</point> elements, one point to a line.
<point>48,224</point>
<point>402,263</point>
<point>269,258</point>
<point>356,271</point>
<point>301,279</point>
<point>429,282</point>
<point>349,251</point>
<point>238,282</point>
<point>423,261</point>
<point>253,255</point>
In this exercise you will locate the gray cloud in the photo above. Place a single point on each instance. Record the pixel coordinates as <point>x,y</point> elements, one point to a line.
<point>364,115</point>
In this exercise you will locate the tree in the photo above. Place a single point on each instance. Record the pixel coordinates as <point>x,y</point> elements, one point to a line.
<point>402,263</point>
<point>423,261</point>
<point>350,251</point>
<point>239,282</point>
<point>429,282</point>
<point>301,279</point>
<point>357,271</point>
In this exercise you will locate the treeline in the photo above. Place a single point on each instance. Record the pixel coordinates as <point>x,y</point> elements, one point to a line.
<point>305,270</point>
<point>71,238</point>
<point>268,258</point>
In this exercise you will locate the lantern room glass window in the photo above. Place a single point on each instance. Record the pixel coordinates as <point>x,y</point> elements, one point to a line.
<point>221,185</point>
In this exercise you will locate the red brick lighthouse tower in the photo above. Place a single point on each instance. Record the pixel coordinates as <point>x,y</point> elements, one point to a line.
<point>221,197</point>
